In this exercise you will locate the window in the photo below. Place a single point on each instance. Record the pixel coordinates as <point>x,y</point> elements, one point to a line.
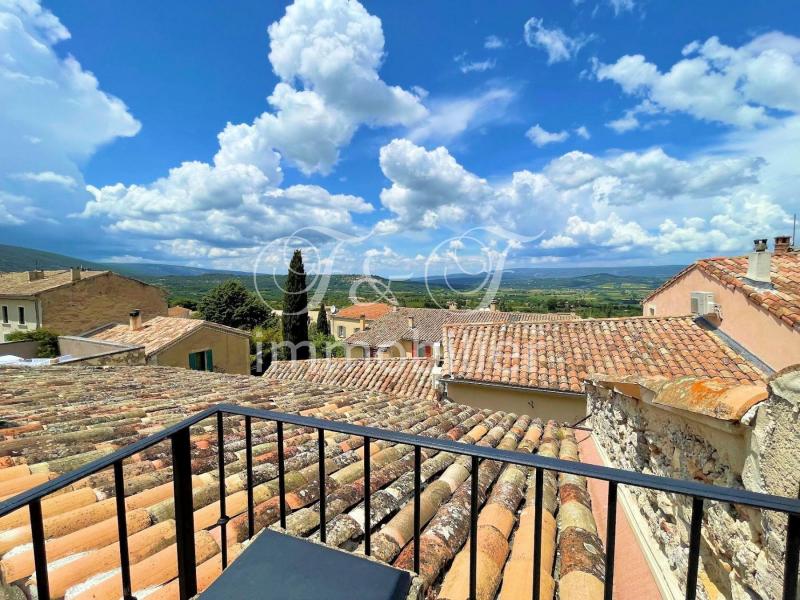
<point>22,315</point>
<point>340,331</point>
<point>201,361</point>
<point>5,314</point>
<point>652,310</point>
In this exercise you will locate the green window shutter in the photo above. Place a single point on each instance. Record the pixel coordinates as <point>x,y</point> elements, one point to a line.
<point>193,362</point>
<point>209,361</point>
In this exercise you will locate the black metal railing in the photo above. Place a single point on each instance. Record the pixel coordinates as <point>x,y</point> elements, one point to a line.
<point>178,435</point>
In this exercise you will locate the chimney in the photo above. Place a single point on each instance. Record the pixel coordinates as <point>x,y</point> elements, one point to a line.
<point>136,320</point>
<point>362,322</point>
<point>395,308</point>
<point>35,275</point>
<point>410,321</point>
<point>76,274</point>
<point>758,264</point>
<point>783,244</point>
<point>493,306</point>
<point>452,305</point>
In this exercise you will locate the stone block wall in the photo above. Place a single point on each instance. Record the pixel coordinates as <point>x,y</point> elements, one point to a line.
<point>95,301</point>
<point>742,549</point>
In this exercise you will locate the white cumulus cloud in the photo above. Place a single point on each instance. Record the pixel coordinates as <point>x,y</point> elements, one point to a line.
<point>541,137</point>
<point>54,115</point>
<point>558,45</point>
<point>742,87</point>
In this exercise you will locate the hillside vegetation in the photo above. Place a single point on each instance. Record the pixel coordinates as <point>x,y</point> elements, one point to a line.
<point>588,291</point>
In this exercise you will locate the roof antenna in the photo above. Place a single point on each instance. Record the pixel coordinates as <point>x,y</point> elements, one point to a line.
<point>794,229</point>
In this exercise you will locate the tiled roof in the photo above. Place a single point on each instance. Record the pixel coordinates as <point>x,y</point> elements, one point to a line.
<point>158,333</point>
<point>783,300</point>
<point>712,398</point>
<point>17,284</point>
<point>57,419</point>
<point>559,356</point>
<point>410,377</point>
<point>370,310</point>
<point>428,323</point>
<point>179,311</point>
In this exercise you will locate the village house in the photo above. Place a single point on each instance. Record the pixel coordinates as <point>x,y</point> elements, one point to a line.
<point>179,311</point>
<point>169,341</point>
<point>417,332</point>
<point>71,301</point>
<point>754,300</point>
<point>541,367</point>
<point>352,319</point>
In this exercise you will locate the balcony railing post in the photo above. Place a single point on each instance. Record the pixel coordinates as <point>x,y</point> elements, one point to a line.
<point>537,533</point>
<point>248,435</point>
<point>223,517</point>
<point>694,548</point>
<point>323,526</point>
<point>122,529</point>
<point>611,537</point>
<point>792,561</point>
<point>417,503</point>
<point>184,517</point>
<point>39,551</point>
<point>367,499</point>
<point>281,475</point>
<point>473,530</point>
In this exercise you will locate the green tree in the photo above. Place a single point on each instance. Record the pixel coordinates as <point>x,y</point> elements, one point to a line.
<point>326,346</point>
<point>323,326</point>
<point>48,341</point>
<point>295,308</point>
<point>231,304</point>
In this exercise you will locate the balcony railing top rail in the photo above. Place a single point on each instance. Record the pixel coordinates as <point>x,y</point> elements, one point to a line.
<point>178,434</point>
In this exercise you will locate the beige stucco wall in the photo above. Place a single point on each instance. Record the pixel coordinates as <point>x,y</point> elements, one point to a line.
<point>562,408</point>
<point>13,304</point>
<point>231,352</point>
<point>351,326</point>
<point>95,301</point>
<point>755,328</point>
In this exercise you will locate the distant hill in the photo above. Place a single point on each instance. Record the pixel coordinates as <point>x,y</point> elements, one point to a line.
<point>564,277</point>
<point>591,291</point>
<point>17,258</point>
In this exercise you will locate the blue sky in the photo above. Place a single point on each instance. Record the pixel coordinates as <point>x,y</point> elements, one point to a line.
<point>398,137</point>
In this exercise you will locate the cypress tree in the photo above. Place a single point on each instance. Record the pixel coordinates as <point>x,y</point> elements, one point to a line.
<point>295,308</point>
<point>323,326</point>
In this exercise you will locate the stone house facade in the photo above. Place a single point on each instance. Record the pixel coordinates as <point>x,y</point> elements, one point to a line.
<point>72,301</point>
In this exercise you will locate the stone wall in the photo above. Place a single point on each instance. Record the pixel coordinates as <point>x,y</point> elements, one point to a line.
<point>742,549</point>
<point>130,357</point>
<point>96,301</point>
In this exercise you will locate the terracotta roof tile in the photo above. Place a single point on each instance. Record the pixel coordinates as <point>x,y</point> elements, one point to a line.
<point>370,310</point>
<point>157,333</point>
<point>410,377</point>
<point>783,300</point>
<point>17,284</point>
<point>559,356</point>
<point>428,323</point>
<point>724,400</point>
<point>126,403</point>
